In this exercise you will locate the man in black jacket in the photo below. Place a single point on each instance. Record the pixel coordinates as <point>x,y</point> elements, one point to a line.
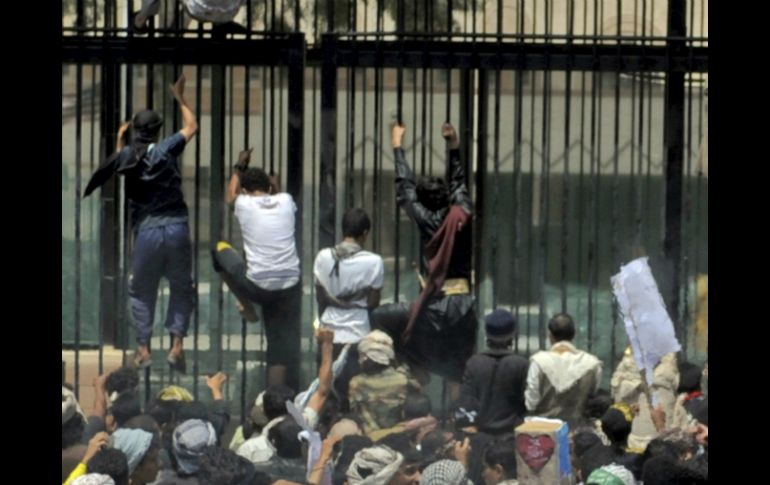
<point>438,332</point>
<point>498,377</point>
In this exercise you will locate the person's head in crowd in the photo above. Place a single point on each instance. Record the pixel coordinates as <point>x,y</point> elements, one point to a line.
<point>93,479</point>
<point>689,378</point>
<point>112,462</point>
<point>283,437</point>
<point>616,424</point>
<point>595,457</point>
<point>561,328</point>
<point>597,404</point>
<point>122,380</point>
<point>344,451</point>
<point>612,474</point>
<point>683,440</point>
<point>500,326</point>
<point>220,466</point>
<point>464,413</point>
<point>436,445</point>
<point>126,406</point>
<point>375,352</point>
<point>256,421</point>
<point>661,470</point>
<point>445,472</point>
<point>73,420</point>
<point>144,422</point>
<point>190,438</point>
<point>399,442</point>
<point>141,449</point>
<point>274,401</point>
<point>499,461</point>
<point>416,405</point>
<point>356,224</point>
<point>379,464</point>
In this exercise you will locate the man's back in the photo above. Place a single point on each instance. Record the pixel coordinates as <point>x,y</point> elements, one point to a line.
<point>498,379</point>
<point>267,225</point>
<point>560,380</point>
<point>355,274</point>
<point>154,184</point>
<point>378,398</point>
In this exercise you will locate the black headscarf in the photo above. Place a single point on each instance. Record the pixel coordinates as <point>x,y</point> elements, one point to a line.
<point>146,125</point>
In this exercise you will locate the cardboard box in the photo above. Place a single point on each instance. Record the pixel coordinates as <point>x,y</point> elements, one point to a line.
<point>543,454</point>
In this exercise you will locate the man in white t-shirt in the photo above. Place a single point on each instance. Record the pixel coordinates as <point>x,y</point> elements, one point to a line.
<point>348,282</point>
<point>270,275</point>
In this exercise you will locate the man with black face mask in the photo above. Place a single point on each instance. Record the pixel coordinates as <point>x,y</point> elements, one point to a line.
<point>162,246</point>
<point>438,331</point>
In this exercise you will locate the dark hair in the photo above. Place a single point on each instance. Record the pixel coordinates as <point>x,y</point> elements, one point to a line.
<point>112,462</point>
<point>597,404</point>
<point>584,440</point>
<point>562,327</point>
<point>125,407</point>
<point>689,377</point>
<point>345,450</point>
<point>416,405</point>
<point>163,412</point>
<point>503,453</point>
<point>595,457</point>
<point>661,470</point>
<point>144,422</point>
<point>255,179</point>
<point>274,401</point>
<point>72,431</point>
<point>355,223</point>
<point>220,466</point>
<point>616,427</point>
<point>191,410</point>
<point>432,193</point>
<point>399,442</point>
<point>124,379</point>
<point>284,437</point>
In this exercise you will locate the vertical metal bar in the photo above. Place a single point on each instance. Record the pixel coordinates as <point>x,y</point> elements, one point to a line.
<point>566,176</point>
<point>448,115</point>
<point>496,193</point>
<point>674,152</point>
<point>580,209</point>
<point>364,82</point>
<point>350,133</point>
<point>531,203</point>
<point>479,220</point>
<point>329,24</point>
<point>400,118</point>
<point>272,117</point>
<point>424,120</point>
<point>517,199</point>
<point>196,234</point>
<point>216,191</point>
<point>544,224</point>
<point>78,175</point>
<point>313,160</point>
<point>295,128</point>
<point>614,229</point>
<point>91,229</point>
<point>328,175</point>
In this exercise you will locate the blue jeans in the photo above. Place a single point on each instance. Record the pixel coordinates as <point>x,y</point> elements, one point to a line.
<point>164,251</point>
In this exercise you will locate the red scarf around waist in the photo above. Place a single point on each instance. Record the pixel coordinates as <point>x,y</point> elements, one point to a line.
<point>439,252</point>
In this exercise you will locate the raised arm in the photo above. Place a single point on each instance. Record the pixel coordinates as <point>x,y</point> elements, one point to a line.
<point>234,186</point>
<point>406,186</point>
<point>458,190</point>
<point>189,123</point>
<point>326,338</point>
